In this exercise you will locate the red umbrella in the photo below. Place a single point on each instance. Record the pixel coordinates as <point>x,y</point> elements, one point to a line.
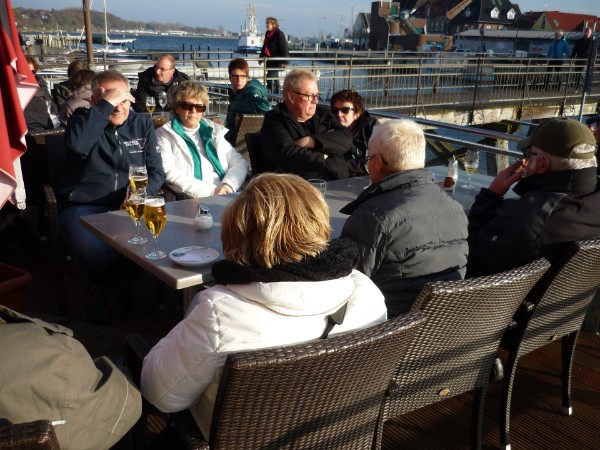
<point>17,87</point>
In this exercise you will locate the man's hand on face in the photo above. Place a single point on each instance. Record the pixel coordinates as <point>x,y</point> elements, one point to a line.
<point>116,96</point>
<point>505,178</point>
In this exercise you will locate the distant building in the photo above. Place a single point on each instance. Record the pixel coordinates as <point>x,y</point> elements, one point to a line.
<point>555,20</point>
<point>361,30</point>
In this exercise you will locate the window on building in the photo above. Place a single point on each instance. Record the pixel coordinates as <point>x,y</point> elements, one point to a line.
<point>510,15</point>
<point>494,13</point>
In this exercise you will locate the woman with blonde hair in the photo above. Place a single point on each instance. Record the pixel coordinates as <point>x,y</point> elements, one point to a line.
<point>280,282</point>
<point>198,160</point>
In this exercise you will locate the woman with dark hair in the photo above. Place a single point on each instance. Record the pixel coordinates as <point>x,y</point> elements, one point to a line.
<point>274,46</point>
<point>80,86</point>
<point>347,107</point>
<point>281,280</point>
<point>39,109</point>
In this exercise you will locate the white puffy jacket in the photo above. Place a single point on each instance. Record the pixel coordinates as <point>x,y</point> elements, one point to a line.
<point>179,165</point>
<point>183,370</point>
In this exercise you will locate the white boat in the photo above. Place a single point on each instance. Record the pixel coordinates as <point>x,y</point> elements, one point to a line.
<point>251,41</point>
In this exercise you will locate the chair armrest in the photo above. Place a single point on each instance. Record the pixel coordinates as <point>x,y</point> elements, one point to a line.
<point>137,349</point>
<point>35,435</point>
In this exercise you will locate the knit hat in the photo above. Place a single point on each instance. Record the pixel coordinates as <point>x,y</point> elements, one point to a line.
<point>591,120</point>
<point>558,136</point>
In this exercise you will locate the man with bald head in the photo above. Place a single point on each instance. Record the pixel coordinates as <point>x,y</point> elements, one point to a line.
<point>102,142</point>
<point>299,136</point>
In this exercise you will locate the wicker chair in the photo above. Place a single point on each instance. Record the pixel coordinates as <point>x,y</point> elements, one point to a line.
<point>324,394</point>
<point>554,309</point>
<point>249,123</point>
<point>453,351</point>
<point>38,435</point>
<point>56,162</point>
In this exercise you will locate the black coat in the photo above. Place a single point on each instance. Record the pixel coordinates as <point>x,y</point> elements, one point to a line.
<point>279,131</point>
<point>149,86</point>
<point>554,209</point>
<point>278,48</point>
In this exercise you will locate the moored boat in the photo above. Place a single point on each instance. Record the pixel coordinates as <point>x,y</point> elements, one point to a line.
<point>251,40</point>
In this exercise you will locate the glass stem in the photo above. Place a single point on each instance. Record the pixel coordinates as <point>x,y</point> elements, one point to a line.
<point>156,244</point>
<point>137,228</point>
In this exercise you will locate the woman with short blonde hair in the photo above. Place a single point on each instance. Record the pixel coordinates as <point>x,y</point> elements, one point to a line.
<point>279,283</point>
<point>197,158</point>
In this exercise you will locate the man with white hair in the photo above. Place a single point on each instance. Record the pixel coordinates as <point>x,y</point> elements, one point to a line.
<point>558,201</point>
<point>409,231</point>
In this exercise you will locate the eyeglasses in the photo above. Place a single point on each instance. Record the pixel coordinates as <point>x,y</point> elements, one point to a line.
<point>310,97</point>
<point>189,106</point>
<point>527,153</point>
<point>164,69</point>
<point>368,158</point>
<point>343,109</point>
<point>238,76</point>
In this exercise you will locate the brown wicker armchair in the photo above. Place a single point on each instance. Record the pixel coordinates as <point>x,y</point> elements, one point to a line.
<point>554,309</point>
<point>324,394</point>
<point>453,351</point>
<point>257,163</point>
<point>38,435</point>
<point>249,123</point>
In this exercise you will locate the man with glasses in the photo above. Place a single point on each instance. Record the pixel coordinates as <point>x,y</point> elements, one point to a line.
<point>158,79</point>
<point>299,136</point>
<point>408,230</point>
<point>558,201</point>
<point>245,97</point>
<point>101,143</point>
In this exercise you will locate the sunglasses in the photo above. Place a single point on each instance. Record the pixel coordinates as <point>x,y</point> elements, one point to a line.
<point>189,106</point>
<point>343,109</point>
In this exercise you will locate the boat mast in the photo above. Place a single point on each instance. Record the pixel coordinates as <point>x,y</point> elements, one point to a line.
<point>87,19</point>
<point>105,29</point>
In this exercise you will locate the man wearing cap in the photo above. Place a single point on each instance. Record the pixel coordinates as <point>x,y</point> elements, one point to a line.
<point>558,201</point>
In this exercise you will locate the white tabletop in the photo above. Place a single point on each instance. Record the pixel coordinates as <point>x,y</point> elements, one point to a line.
<point>116,227</point>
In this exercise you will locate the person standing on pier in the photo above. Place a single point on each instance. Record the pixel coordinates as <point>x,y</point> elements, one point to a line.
<point>245,97</point>
<point>274,46</point>
<point>582,50</point>
<point>557,51</point>
<point>158,79</point>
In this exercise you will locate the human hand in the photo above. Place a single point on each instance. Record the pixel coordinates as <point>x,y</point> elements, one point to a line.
<point>116,96</point>
<point>505,178</point>
<point>223,189</point>
<point>306,141</point>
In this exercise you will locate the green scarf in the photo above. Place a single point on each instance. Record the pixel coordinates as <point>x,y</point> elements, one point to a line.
<point>211,151</point>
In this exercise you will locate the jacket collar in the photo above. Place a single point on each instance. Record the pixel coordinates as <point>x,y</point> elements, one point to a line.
<point>571,182</point>
<point>399,180</point>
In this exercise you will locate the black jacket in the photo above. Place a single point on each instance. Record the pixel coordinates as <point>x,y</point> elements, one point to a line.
<point>408,232</point>
<point>361,130</point>
<point>554,209</point>
<point>581,49</point>
<point>279,131</point>
<point>278,48</point>
<point>99,156</point>
<point>149,86</point>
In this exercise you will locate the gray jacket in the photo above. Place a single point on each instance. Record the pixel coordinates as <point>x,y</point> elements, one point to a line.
<point>409,232</point>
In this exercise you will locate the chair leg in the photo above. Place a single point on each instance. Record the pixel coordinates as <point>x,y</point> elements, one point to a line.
<point>507,387</point>
<point>568,354</point>
<point>477,416</point>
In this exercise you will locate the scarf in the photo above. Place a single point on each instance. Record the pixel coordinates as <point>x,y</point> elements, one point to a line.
<point>268,36</point>
<point>211,152</point>
<point>336,261</point>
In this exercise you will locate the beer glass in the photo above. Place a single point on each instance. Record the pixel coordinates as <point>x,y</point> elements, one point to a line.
<point>162,101</point>
<point>134,204</point>
<point>155,218</point>
<point>471,162</point>
<point>138,177</point>
<point>150,104</point>
<point>321,185</point>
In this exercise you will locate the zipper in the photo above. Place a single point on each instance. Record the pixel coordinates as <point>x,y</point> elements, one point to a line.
<point>119,161</point>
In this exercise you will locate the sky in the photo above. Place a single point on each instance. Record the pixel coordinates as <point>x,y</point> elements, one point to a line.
<point>296,17</point>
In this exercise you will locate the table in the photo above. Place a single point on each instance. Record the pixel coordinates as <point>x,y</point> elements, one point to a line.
<point>116,227</point>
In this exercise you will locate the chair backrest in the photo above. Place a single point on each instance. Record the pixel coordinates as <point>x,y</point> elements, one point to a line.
<point>258,164</point>
<point>38,435</point>
<point>561,297</point>
<point>249,123</point>
<point>453,351</point>
<point>321,394</point>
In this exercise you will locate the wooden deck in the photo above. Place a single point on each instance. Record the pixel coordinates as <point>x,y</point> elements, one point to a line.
<point>536,419</point>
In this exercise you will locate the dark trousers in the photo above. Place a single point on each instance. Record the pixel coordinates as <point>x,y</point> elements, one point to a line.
<point>554,76</point>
